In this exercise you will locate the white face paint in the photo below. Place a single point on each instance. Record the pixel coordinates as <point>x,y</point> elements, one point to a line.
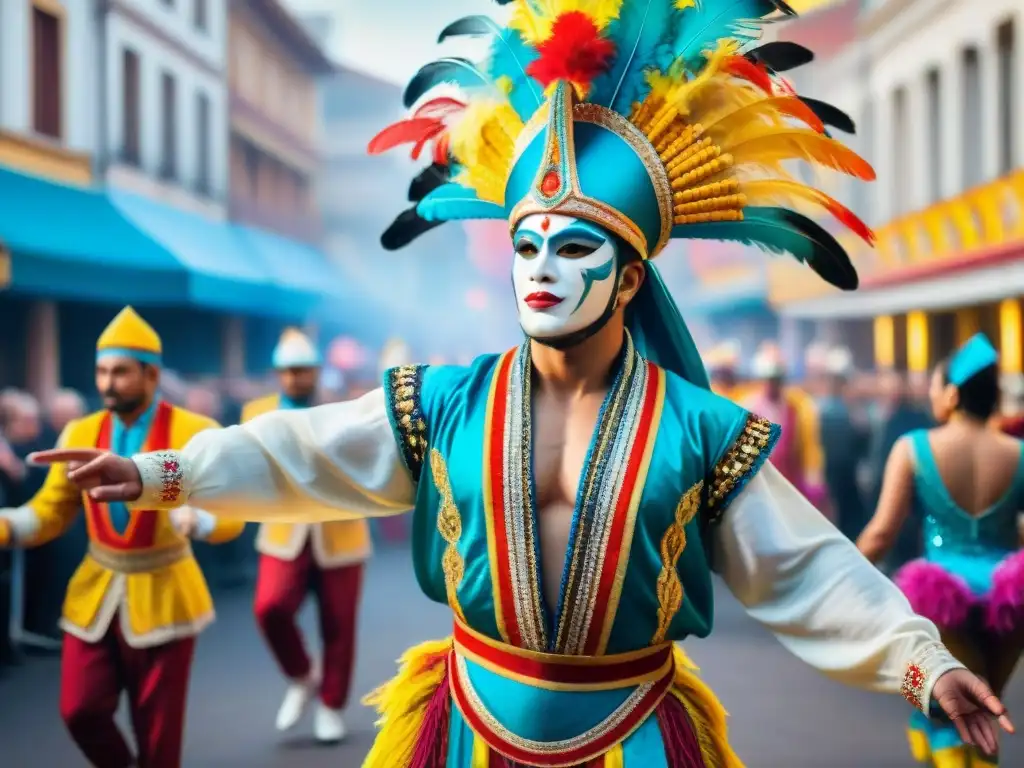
<point>565,272</point>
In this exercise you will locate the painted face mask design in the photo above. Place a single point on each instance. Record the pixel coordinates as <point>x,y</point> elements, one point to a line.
<point>565,275</point>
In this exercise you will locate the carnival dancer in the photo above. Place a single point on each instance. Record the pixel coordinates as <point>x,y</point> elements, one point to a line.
<point>573,495</point>
<point>966,481</point>
<point>798,456</point>
<point>138,600</point>
<point>295,559</point>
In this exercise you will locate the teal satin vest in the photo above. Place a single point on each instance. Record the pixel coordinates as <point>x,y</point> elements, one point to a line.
<point>665,460</point>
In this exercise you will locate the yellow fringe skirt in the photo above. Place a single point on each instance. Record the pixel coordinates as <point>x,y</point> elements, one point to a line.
<point>409,711</point>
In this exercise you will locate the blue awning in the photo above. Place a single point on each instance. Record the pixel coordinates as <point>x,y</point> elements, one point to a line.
<point>223,274</point>
<point>73,243</point>
<point>305,276</point>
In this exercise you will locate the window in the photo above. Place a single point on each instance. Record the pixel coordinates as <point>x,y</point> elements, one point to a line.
<point>933,167</point>
<point>169,143</point>
<point>199,11</point>
<point>47,62</point>
<point>203,143</point>
<point>971,152</point>
<point>130,105</point>
<point>901,153</point>
<point>1006,58</point>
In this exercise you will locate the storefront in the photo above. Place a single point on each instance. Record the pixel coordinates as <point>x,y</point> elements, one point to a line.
<point>936,277</point>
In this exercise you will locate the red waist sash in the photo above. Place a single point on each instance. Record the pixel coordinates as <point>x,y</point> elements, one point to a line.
<point>648,672</point>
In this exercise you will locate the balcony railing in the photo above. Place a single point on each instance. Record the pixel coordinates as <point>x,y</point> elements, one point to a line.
<point>964,227</point>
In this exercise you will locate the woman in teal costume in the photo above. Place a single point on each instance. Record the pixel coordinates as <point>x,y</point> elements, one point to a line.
<point>573,495</point>
<point>967,482</point>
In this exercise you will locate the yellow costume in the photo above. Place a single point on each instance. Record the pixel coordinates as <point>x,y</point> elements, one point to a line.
<point>146,573</point>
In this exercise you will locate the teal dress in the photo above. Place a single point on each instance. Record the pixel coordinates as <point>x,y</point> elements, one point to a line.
<point>967,581</point>
<point>665,460</point>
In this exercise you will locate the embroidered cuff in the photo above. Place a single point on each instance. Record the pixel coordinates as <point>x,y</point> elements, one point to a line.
<point>23,522</point>
<point>922,671</point>
<point>163,476</point>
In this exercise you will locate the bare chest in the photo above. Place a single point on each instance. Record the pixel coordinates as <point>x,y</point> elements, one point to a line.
<point>562,435</point>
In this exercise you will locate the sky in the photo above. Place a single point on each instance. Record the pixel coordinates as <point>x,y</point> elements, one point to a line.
<point>393,38</point>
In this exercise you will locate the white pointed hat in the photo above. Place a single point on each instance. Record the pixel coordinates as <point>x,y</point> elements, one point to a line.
<point>769,362</point>
<point>295,350</point>
<point>839,361</point>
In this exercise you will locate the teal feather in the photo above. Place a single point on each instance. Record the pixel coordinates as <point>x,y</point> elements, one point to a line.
<point>461,72</point>
<point>510,56</point>
<point>639,31</point>
<point>780,231</point>
<point>454,202</point>
<point>701,28</point>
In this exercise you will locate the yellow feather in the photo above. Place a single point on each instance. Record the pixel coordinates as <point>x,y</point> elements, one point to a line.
<point>483,142</point>
<point>768,145</point>
<point>772,110</point>
<point>783,192</point>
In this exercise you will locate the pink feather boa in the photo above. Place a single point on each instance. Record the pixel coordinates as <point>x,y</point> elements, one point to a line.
<point>1004,608</point>
<point>935,593</point>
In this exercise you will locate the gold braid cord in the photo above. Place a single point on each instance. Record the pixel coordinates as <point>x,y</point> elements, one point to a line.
<point>670,588</point>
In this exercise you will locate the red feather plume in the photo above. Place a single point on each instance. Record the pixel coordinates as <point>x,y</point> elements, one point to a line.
<point>575,52</point>
<point>427,124</point>
<point>743,68</point>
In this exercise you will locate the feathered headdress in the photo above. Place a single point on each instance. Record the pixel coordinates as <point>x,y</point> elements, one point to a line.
<point>656,119</point>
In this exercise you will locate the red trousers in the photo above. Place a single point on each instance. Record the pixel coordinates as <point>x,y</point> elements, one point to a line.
<point>93,675</point>
<point>281,588</point>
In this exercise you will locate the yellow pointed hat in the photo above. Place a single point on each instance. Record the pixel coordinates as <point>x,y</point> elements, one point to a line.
<point>128,335</point>
<point>295,350</point>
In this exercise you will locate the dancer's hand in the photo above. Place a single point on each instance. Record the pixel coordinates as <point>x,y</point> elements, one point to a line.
<point>971,705</point>
<point>103,475</point>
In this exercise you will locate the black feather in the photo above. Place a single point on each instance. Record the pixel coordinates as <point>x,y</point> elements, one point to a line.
<point>432,177</point>
<point>830,260</point>
<point>830,115</point>
<point>469,26</point>
<point>781,56</point>
<point>782,5</point>
<point>448,70</point>
<point>403,230</point>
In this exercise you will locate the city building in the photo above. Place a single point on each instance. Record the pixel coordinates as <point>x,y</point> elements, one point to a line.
<point>47,134</point>
<point>938,92</point>
<point>164,129</point>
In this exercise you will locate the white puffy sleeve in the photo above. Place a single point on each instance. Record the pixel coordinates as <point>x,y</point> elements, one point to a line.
<point>802,579</point>
<point>333,462</point>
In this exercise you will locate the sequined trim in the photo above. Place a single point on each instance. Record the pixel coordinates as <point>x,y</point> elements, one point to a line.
<point>670,588</point>
<point>741,462</point>
<point>449,525</point>
<point>914,685</point>
<point>163,479</point>
<point>405,410</point>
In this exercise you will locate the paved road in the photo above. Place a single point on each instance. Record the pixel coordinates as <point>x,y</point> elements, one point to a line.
<point>783,714</point>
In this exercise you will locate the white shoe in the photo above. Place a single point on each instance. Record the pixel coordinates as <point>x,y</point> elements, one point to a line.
<point>296,699</point>
<point>328,727</point>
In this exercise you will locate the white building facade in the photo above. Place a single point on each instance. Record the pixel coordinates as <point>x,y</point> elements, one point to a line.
<point>49,90</point>
<point>164,131</point>
<point>937,90</point>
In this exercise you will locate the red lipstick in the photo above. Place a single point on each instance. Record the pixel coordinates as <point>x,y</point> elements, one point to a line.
<point>542,300</point>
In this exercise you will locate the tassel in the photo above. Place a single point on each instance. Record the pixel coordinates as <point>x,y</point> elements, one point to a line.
<point>404,702</point>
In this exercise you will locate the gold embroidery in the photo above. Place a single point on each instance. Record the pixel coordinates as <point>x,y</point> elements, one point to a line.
<point>743,457</point>
<point>670,588</point>
<point>449,525</point>
<point>407,414</point>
